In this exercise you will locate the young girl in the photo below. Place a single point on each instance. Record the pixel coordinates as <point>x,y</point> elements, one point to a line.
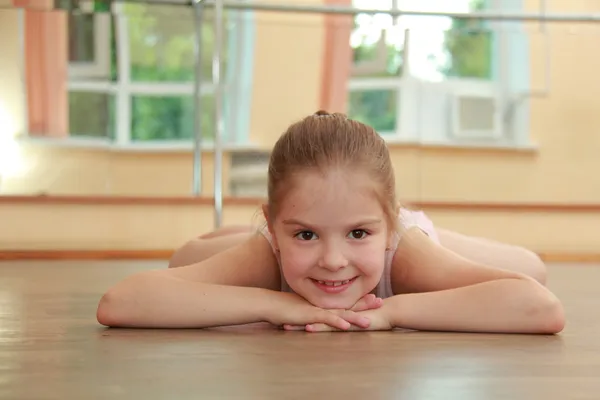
<point>337,253</point>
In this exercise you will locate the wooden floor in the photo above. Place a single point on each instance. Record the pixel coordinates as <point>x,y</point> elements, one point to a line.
<point>51,347</point>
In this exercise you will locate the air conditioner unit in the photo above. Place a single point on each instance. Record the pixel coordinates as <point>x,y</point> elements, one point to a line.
<point>475,116</point>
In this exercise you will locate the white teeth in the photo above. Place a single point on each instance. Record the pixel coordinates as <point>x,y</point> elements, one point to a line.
<point>337,283</point>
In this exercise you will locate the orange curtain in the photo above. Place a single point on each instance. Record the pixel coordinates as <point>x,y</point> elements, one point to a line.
<point>337,59</point>
<point>46,68</point>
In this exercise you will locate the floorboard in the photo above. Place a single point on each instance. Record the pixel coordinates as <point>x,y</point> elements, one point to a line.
<point>51,347</point>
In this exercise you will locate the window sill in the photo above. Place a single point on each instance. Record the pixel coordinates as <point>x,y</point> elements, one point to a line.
<point>142,147</point>
<point>507,145</point>
<point>209,146</point>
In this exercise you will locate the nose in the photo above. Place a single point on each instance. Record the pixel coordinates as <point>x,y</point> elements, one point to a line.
<point>333,258</point>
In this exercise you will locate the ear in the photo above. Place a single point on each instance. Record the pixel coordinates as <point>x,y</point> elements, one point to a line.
<point>393,232</point>
<point>265,211</point>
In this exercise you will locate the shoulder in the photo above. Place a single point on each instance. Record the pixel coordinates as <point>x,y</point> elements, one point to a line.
<point>249,263</point>
<point>416,240</point>
<point>417,219</point>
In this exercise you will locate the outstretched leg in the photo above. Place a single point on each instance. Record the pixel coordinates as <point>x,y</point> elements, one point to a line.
<point>227,230</point>
<point>209,244</point>
<point>494,254</point>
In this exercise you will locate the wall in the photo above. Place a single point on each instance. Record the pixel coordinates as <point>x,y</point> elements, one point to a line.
<point>287,71</point>
<point>64,170</point>
<point>120,224</point>
<point>12,99</point>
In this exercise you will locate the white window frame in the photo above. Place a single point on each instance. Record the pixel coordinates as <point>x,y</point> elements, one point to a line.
<point>100,67</point>
<point>81,79</point>
<point>426,114</point>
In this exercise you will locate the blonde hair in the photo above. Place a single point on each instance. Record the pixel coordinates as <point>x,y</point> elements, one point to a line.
<point>321,141</point>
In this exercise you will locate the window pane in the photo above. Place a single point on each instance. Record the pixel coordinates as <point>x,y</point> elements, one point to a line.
<point>375,107</point>
<point>91,114</point>
<point>468,54</point>
<point>169,118</point>
<point>81,37</point>
<point>377,51</point>
<point>377,43</point>
<point>91,46</point>
<point>161,40</point>
<point>441,48</point>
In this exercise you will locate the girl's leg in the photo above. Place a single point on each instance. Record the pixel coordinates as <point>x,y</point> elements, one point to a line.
<point>227,230</point>
<point>209,244</point>
<point>494,254</point>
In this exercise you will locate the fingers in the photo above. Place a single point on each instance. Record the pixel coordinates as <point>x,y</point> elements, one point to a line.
<point>319,328</point>
<point>367,302</point>
<point>356,319</point>
<point>334,320</point>
<point>326,328</point>
<point>343,319</point>
<point>289,327</point>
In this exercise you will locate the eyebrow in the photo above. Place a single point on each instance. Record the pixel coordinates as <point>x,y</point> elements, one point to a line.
<point>366,221</point>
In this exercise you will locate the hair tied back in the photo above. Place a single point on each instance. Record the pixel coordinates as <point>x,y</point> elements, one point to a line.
<point>322,113</point>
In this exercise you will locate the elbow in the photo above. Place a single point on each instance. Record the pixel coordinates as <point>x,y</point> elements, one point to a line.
<point>116,308</point>
<point>554,318</point>
<point>548,313</point>
<point>122,305</point>
<point>107,311</point>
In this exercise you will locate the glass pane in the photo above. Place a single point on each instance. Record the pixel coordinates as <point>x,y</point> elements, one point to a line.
<point>468,54</point>
<point>91,114</point>
<point>161,42</point>
<point>377,43</point>
<point>91,46</point>
<point>375,107</point>
<point>169,118</point>
<point>441,48</point>
<point>81,37</point>
<point>377,51</point>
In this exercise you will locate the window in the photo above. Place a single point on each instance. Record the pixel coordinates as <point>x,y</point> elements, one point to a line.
<point>132,74</point>
<point>437,80</point>
<point>89,46</point>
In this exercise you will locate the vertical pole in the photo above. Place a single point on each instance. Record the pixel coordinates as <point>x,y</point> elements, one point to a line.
<point>198,8</point>
<point>218,85</point>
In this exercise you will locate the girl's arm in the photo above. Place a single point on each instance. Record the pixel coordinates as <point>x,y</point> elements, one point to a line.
<point>232,287</point>
<point>238,286</point>
<point>440,290</point>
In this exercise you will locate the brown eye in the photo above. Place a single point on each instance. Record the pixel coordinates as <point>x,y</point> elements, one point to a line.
<point>358,234</point>
<point>306,235</point>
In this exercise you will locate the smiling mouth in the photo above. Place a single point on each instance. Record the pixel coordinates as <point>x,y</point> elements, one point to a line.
<point>333,286</point>
<point>334,283</point>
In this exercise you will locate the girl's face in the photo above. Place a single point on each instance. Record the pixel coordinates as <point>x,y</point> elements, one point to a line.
<point>331,232</point>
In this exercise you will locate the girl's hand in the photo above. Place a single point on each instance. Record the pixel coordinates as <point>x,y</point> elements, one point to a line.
<point>378,317</point>
<point>367,302</point>
<point>293,310</point>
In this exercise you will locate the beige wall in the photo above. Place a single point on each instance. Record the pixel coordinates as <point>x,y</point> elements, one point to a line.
<point>12,98</point>
<point>109,227</point>
<point>287,71</point>
<point>73,171</point>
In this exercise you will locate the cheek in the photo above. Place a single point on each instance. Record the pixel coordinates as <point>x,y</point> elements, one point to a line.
<point>296,260</point>
<point>371,260</point>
